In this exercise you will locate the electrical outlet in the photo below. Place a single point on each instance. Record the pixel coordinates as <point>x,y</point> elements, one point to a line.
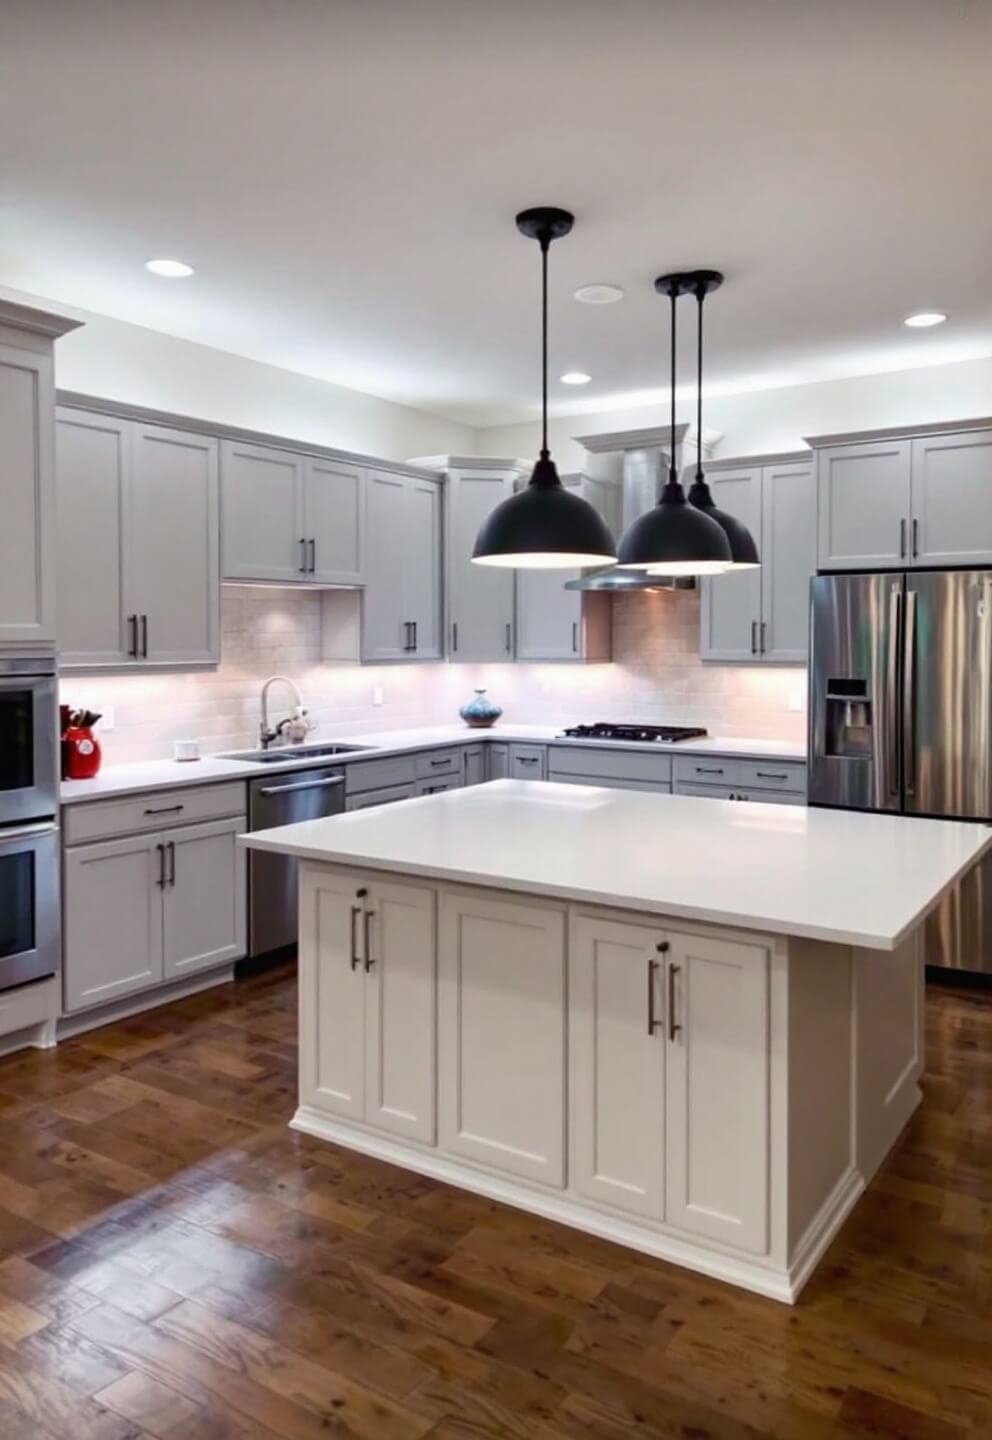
<point>107,719</point>
<point>377,695</point>
<point>797,698</point>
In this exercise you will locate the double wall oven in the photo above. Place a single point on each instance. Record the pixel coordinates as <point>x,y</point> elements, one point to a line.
<point>29,850</point>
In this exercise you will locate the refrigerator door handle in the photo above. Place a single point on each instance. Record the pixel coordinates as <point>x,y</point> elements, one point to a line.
<point>892,694</point>
<point>909,695</point>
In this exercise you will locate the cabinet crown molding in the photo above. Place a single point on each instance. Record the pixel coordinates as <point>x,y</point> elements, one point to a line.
<point>899,432</point>
<point>36,322</point>
<point>636,439</point>
<point>756,462</point>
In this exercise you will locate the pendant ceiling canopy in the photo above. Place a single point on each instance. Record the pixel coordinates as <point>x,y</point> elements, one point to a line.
<point>544,526</point>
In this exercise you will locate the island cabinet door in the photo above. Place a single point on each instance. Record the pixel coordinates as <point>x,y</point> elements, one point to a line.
<point>399,1010</point>
<point>332,992</point>
<point>717,1083</point>
<point>617,1065</point>
<point>501,1035</point>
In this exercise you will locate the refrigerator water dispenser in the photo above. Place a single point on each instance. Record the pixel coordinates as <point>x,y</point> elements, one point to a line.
<point>849,724</point>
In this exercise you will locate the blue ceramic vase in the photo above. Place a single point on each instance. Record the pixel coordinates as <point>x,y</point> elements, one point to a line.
<point>481,712</point>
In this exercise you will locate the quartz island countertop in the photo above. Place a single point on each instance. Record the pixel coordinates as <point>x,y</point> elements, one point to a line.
<point>839,876</point>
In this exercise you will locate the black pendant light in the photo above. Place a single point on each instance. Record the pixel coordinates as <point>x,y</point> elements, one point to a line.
<point>742,546</point>
<point>544,526</point>
<point>675,538</point>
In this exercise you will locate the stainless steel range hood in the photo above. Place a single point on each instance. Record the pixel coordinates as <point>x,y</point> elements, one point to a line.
<point>644,460</point>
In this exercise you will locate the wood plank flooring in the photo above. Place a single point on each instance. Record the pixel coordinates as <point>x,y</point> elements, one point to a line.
<point>175,1263</point>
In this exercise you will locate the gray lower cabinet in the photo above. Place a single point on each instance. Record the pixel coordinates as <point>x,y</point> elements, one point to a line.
<point>480,598</point>
<point>731,777</point>
<point>528,762</point>
<point>727,792</point>
<point>368,799</point>
<point>142,910</point>
<point>474,764</point>
<point>622,769</point>
<point>762,615</point>
<point>435,786</point>
<point>401,605</point>
<point>497,760</point>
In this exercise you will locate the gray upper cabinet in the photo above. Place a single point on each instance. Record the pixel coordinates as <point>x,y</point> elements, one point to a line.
<point>290,518</point>
<point>27,531</point>
<point>480,597</point>
<point>912,501</point>
<point>92,462</point>
<point>558,624</point>
<point>951,520</point>
<point>731,605</point>
<point>788,541</point>
<point>863,505</point>
<point>401,609</point>
<point>138,543</point>
<point>334,521</point>
<point>263,535</point>
<point>761,615</point>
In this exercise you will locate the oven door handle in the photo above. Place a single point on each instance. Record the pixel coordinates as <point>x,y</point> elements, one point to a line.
<point>26,832</point>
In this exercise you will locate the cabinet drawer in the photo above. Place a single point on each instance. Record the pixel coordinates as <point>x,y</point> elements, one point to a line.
<point>729,792</point>
<point>438,784</point>
<point>135,814</point>
<point>28,1005</point>
<point>772,775</point>
<point>707,792</point>
<point>566,761</point>
<point>708,770</point>
<point>386,796</point>
<point>439,762</point>
<point>528,762</point>
<point>613,782</point>
<point>377,774</point>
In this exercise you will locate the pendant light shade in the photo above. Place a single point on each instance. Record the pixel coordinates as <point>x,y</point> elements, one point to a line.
<point>675,538</point>
<point>544,526</point>
<point>742,546</point>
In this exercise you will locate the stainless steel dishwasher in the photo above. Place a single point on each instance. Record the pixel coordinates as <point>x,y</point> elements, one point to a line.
<point>283,800</point>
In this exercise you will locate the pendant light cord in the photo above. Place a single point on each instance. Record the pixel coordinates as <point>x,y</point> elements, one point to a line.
<point>545,245</point>
<point>673,475</point>
<point>700,294</point>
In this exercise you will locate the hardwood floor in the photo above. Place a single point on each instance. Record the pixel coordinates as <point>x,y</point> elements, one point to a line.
<point>175,1263</point>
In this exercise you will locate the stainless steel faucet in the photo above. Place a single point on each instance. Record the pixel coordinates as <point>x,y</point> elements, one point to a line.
<point>267,735</point>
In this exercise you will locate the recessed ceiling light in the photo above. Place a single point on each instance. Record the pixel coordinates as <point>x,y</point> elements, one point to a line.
<point>170,269</point>
<point>599,294</point>
<point>924,318</point>
<point>575,377</point>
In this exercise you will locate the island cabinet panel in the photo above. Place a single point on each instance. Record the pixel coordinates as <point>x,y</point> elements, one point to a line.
<point>399,1010</point>
<point>332,993</point>
<point>617,1065</point>
<point>717,1084</point>
<point>367,1001</point>
<point>501,1035</point>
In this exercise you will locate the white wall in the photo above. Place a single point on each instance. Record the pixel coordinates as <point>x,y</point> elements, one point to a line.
<point>769,420</point>
<point>117,361</point>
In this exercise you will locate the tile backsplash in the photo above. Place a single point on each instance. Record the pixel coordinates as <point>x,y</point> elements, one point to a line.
<point>656,675</point>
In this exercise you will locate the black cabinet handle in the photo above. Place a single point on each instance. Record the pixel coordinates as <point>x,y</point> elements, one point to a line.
<point>575,637</point>
<point>415,641</point>
<point>313,557</point>
<point>171,847</point>
<point>709,769</point>
<point>509,638</point>
<point>771,775</point>
<point>356,910</point>
<point>165,810</point>
<point>653,1023</point>
<point>160,882</point>
<point>303,557</point>
<point>132,626</point>
<point>916,538</point>
<point>754,637</point>
<point>673,1026</point>
<point>902,539</point>
<point>454,636</point>
<point>441,764</point>
<point>369,957</point>
<point>763,633</point>
<point>144,637</point>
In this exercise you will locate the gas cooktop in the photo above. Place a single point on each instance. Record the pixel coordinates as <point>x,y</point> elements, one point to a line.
<point>648,734</point>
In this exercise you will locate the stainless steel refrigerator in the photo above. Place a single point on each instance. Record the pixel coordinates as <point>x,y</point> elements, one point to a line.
<point>900,718</point>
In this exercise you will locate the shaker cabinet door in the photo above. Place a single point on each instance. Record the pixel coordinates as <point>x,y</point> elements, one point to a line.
<point>92,487</point>
<point>204,897</point>
<point>399,1010</point>
<point>27,531</point>
<point>261,492</point>
<point>175,546</point>
<point>501,1035</point>
<point>480,597</point>
<point>717,1090</point>
<point>334,522</point>
<point>332,992</point>
<point>863,501</point>
<point>113,919</point>
<point>422,567</point>
<point>731,604</point>
<point>617,1047</point>
<point>788,542</point>
<point>952,500</point>
<point>387,632</point>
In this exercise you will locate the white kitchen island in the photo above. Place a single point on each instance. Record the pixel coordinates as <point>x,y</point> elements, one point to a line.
<point>686,1025</point>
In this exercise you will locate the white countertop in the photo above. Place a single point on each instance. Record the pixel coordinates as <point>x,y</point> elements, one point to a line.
<point>161,774</point>
<point>835,875</point>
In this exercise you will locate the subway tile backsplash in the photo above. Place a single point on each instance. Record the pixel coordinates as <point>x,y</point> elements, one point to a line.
<point>656,675</point>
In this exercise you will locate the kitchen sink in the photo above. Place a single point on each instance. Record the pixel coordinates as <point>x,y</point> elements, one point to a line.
<point>283,753</point>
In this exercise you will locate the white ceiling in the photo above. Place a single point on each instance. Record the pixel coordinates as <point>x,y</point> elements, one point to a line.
<point>344,175</point>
